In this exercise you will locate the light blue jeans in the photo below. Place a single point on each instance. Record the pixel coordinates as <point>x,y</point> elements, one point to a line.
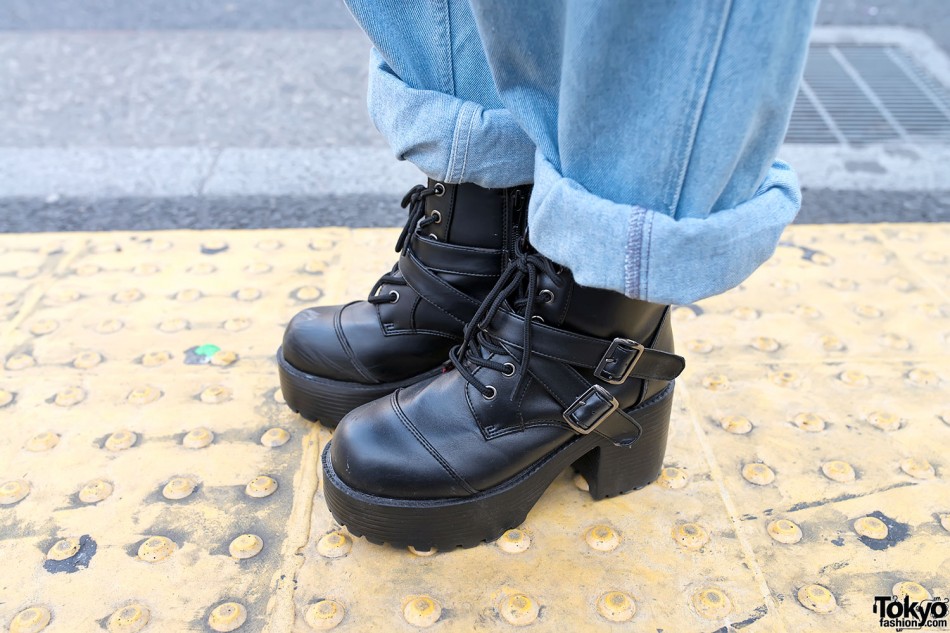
<point>649,129</point>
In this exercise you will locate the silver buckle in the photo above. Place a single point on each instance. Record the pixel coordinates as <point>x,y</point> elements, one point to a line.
<point>619,347</point>
<point>585,426</point>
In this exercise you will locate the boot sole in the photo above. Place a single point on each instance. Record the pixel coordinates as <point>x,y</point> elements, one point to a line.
<point>325,400</point>
<point>466,522</point>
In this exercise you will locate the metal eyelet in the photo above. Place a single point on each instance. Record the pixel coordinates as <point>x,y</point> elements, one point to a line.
<point>437,216</point>
<point>434,236</point>
<point>546,296</point>
<point>494,392</point>
<point>439,189</point>
<point>395,296</point>
<point>538,318</point>
<point>511,370</point>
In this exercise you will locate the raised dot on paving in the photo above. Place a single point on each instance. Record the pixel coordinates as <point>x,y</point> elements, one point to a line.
<point>871,527</point>
<point>712,603</point>
<point>130,295</point>
<point>43,327</point>
<point>156,359</point>
<point>913,590</point>
<point>228,616</point>
<point>129,619</point>
<point>809,422</point>
<point>817,598</point>
<point>6,397</point>
<point>179,488</point>
<point>87,360</point>
<point>215,394</point>
<point>155,549</point>
<point>246,546</point>
<point>63,548</point>
<point>422,611</point>
<point>616,606</point>
<point>223,358</point>
<point>518,609</point>
<point>334,545</point>
<point>918,468</point>
<point>41,442</point>
<point>188,295</point>
<point>765,344</point>
<point>258,268</point>
<point>109,326</point>
<point>170,326</point>
<point>673,478</point>
<point>31,620</point>
<point>854,378</point>
<point>602,538</point>
<point>785,378</point>
<point>274,437</point>
<point>737,424</point>
<point>839,471</point>
<point>17,362</point>
<point>785,531</point>
<point>307,293</point>
<point>247,294</point>
<point>758,474</point>
<point>691,536</point>
<point>699,346</point>
<point>261,486</point>
<point>514,541</point>
<point>922,377</point>
<point>69,396</point>
<point>885,421</point>
<point>13,491</point>
<point>236,324</point>
<point>422,553</point>
<point>95,491</point>
<point>324,615</point>
<point>197,438</point>
<point>716,382</point>
<point>580,483</point>
<point>144,395</point>
<point>120,440</point>
<point>831,343</point>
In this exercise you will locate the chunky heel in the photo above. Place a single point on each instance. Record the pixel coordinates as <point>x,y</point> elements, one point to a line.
<point>611,470</point>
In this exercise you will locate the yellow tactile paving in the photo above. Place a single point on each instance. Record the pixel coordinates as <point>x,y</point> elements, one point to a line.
<point>152,480</point>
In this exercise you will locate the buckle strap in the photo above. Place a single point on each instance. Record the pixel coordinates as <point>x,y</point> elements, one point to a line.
<point>461,260</point>
<point>612,361</point>
<point>436,291</point>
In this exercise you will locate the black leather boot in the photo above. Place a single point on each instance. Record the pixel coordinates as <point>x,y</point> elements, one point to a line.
<point>456,242</point>
<point>550,374</point>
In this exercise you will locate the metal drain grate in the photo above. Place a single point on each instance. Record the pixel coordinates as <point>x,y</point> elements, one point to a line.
<point>858,94</point>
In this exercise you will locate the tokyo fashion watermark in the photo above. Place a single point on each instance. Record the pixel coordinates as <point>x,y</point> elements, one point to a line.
<point>904,614</point>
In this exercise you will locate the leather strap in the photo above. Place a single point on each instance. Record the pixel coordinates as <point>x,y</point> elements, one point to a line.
<point>434,290</point>
<point>462,260</point>
<point>580,350</point>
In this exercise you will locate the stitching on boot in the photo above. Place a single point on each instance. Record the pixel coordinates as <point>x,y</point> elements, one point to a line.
<point>394,401</point>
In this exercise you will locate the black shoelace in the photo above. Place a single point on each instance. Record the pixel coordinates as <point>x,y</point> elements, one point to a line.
<point>415,200</point>
<point>525,265</point>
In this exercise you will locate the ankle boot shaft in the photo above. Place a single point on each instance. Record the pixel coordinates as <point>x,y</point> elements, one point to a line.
<point>475,216</point>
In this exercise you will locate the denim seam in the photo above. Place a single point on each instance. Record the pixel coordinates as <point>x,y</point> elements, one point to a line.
<point>450,168</point>
<point>645,261</point>
<point>468,138</point>
<point>632,263</point>
<point>701,99</point>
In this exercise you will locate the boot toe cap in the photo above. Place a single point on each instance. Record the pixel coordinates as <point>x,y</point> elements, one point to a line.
<point>311,345</point>
<point>374,451</point>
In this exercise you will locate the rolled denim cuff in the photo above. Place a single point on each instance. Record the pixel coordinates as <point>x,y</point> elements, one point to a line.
<point>449,139</point>
<point>649,255</point>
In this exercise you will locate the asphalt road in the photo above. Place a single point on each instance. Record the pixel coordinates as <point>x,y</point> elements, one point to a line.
<point>93,93</point>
